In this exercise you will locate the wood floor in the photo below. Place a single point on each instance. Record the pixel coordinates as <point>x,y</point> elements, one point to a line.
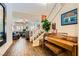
<point>23,47</point>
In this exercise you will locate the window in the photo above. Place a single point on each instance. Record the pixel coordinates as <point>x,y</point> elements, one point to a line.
<point>2,24</point>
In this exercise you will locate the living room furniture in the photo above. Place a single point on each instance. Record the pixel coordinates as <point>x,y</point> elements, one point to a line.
<point>60,44</point>
<point>27,35</point>
<point>16,35</point>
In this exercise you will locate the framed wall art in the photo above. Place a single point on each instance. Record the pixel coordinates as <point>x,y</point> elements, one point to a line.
<point>69,17</point>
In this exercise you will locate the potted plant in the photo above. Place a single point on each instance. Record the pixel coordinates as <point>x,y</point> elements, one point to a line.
<point>46,25</point>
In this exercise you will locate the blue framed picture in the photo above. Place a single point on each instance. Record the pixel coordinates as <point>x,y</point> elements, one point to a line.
<point>69,17</point>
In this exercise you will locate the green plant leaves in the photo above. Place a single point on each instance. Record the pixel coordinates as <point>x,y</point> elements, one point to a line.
<point>46,25</point>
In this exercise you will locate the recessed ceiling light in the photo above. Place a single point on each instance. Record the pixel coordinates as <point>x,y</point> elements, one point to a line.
<point>44,3</point>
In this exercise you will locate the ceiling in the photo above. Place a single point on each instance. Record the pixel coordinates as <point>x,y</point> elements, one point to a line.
<point>30,8</point>
<point>31,11</point>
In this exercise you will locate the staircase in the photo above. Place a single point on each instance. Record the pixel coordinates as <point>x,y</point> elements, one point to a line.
<point>37,40</point>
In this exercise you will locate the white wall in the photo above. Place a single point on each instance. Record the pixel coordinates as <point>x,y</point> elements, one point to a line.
<point>8,29</point>
<point>70,29</point>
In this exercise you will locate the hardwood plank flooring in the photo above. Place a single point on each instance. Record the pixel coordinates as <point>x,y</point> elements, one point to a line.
<point>22,47</point>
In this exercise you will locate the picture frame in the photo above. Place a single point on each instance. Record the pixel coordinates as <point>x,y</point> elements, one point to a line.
<point>54,26</point>
<point>69,17</point>
<point>2,24</point>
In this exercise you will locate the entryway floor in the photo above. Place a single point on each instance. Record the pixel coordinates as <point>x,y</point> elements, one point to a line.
<point>23,47</point>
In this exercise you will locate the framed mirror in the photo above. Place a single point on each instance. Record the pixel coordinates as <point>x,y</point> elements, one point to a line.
<point>2,24</point>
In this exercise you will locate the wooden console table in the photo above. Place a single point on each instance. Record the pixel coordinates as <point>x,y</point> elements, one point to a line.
<point>70,46</point>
